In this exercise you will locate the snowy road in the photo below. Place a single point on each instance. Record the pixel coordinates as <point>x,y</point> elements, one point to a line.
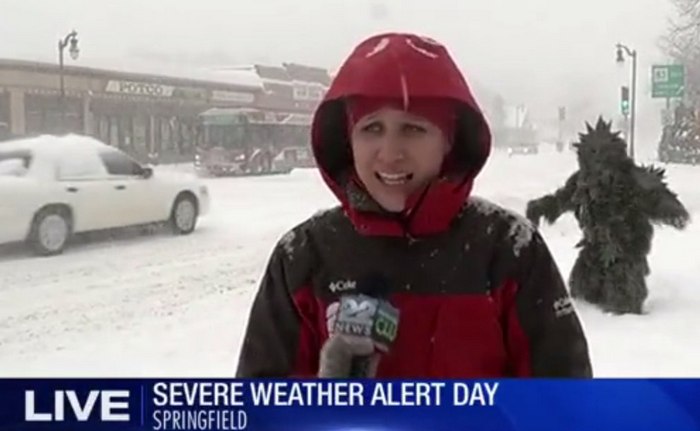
<point>159,305</point>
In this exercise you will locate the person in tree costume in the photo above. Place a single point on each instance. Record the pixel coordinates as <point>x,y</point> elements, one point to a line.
<point>615,203</point>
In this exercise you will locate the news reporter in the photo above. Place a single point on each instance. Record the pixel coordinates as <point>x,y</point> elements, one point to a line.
<point>399,139</point>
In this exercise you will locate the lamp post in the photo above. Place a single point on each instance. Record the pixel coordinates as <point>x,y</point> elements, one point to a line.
<point>621,51</point>
<point>71,40</point>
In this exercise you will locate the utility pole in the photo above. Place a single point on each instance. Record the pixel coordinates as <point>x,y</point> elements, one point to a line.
<point>621,50</point>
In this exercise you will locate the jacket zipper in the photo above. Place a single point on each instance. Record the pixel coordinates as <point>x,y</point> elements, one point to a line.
<point>406,219</point>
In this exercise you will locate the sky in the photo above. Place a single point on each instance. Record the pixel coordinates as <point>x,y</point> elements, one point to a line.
<point>541,53</point>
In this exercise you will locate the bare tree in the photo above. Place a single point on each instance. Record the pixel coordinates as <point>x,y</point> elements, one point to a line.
<point>682,44</point>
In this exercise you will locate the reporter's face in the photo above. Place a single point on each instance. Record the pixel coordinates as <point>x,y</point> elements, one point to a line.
<point>396,154</point>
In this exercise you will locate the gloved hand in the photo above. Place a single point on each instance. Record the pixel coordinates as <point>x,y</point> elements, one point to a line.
<point>533,212</point>
<point>338,352</point>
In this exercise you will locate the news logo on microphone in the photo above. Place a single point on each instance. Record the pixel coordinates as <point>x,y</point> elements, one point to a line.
<point>365,316</point>
<point>386,324</point>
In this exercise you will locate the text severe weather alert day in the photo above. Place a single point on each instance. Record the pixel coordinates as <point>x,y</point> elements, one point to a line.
<point>222,405</point>
<point>320,393</point>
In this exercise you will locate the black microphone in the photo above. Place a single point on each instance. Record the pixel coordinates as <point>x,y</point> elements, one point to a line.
<point>368,314</point>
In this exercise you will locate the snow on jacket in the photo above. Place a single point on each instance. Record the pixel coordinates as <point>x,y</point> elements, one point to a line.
<point>478,291</point>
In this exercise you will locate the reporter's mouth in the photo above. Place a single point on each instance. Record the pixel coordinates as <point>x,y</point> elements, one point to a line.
<point>393,179</point>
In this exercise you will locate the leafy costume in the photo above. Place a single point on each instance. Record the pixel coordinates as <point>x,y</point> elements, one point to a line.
<point>615,203</point>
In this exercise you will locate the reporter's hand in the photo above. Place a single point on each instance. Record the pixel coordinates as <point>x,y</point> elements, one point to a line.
<point>338,352</point>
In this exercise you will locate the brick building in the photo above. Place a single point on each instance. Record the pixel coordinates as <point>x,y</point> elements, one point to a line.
<point>145,113</point>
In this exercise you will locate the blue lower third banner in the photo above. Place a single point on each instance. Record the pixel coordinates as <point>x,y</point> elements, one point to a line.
<point>325,405</point>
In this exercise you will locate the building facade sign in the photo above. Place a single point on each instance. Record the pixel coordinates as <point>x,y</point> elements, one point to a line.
<point>139,88</point>
<point>232,96</point>
<point>308,92</point>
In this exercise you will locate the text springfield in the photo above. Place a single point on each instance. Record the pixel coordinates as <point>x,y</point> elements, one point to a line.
<point>324,393</point>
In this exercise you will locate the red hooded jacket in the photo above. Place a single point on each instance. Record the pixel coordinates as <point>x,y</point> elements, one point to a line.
<point>478,291</point>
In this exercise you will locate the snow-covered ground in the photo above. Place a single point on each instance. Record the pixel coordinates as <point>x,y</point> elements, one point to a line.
<point>158,305</point>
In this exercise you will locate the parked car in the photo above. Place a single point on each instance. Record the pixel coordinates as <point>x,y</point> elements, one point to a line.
<point>52,187</point>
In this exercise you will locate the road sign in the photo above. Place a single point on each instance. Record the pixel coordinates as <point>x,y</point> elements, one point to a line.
<point>667,81</point>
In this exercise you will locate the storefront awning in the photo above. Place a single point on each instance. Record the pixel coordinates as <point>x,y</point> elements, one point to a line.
<point>233,116</point>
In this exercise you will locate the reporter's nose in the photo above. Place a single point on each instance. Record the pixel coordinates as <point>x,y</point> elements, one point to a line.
<point>391,150</point>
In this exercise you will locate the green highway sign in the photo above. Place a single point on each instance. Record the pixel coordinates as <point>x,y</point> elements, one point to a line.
<point>667,81</point>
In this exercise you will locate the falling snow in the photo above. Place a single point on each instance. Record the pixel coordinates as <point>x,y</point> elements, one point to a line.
<point>287,242</point>
<point>521,230</point>
<point>81,315</point>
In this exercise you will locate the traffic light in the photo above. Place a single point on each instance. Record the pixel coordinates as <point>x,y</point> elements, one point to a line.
<point>625,101</point>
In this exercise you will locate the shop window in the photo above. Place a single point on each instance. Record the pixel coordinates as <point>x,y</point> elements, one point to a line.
<point>113,126</point>
<point>4,110</point>
<point>44,115</point>
<point>166,135</point>
<point>140,134</point>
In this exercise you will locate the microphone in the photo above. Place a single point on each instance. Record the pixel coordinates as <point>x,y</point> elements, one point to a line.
<point>367,315</point>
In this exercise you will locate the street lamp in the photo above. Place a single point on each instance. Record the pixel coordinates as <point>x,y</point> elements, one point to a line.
<point>71,40</point>
<point>621,51</point>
